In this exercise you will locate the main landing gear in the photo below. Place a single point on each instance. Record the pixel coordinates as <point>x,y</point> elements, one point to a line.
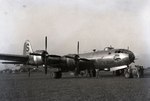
<point>92,73</point>
<point>86,73</point>
<point>128,73</point>
<point>119,72</point>
<point>57,75</point>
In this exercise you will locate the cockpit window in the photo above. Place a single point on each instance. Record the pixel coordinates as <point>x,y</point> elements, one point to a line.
<point>119,51</point>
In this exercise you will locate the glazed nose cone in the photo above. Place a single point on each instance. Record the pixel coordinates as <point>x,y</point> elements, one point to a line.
<point>131,55</point>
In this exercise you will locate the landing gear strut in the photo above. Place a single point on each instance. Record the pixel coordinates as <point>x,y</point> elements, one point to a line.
<point>92,73</point>
<point>29,72</point>
<point>128,73</point>
<point>119,72</point>
<point>138,71</point>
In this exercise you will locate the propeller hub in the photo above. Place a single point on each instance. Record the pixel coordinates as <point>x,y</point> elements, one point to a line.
<point>77,57</point>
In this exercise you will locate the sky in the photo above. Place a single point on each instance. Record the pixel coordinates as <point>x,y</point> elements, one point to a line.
<point>95,23</point>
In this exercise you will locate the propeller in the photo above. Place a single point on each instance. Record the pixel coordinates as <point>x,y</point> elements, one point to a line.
<point>78,48</point>
<point>46,43</point>
<point>77,59</point>
<point>45,55</point>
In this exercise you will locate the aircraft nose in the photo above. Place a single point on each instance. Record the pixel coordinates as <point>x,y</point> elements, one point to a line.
<point>131,56</point>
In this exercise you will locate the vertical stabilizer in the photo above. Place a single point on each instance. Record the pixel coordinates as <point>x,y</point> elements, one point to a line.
<point>27,48</point>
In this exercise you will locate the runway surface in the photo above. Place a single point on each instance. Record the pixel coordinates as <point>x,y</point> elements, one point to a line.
<point>40,87</point>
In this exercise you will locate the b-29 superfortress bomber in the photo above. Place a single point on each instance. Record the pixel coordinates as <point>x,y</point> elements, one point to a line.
<point>109,59</point>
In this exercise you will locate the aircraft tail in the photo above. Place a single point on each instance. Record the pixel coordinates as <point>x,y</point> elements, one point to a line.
<point>27,48</point>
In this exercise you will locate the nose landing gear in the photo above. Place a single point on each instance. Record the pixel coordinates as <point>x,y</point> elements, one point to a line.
<point>128,73</point>
<point>136,71</point>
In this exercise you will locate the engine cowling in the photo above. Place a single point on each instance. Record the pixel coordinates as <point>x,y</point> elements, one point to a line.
<point>39,59</point>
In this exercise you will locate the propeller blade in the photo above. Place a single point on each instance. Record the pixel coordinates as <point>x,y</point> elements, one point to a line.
<point>45,63</point>
<point>45,60</point>
<point>45,69</point>
<point>78,48</point>
<point>46,43</point>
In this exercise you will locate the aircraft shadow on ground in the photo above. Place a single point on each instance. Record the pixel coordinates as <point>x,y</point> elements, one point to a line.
<point>146,75</point>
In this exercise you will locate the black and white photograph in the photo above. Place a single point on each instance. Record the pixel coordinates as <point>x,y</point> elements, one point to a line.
<point>74,50</point>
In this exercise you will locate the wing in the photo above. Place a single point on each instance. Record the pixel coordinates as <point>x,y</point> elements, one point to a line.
<point>12,62</point>
<point>16,58</point>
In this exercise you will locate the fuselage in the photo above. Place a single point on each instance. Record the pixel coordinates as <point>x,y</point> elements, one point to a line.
<point>110,58</point>
<point>106,58</point>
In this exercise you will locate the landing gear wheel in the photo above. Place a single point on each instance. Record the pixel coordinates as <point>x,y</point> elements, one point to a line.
<point>77,72</point>
<point>57,75</point>
<point>90,73</point>
<point>117,72</point>
<point>127,75</point>
<point>94,73</point>
<point>140,72</point>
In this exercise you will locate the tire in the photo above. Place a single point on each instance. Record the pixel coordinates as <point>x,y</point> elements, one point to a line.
<point>127,75</point>
<point>94,73</point>
<point>57,75</point>
<point>117,72</point>
<point>141,71</point>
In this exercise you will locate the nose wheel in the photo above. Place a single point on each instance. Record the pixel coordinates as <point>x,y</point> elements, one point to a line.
<point>128,73</point>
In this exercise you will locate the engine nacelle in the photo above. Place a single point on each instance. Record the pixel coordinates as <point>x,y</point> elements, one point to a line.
<point>38,59</point>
